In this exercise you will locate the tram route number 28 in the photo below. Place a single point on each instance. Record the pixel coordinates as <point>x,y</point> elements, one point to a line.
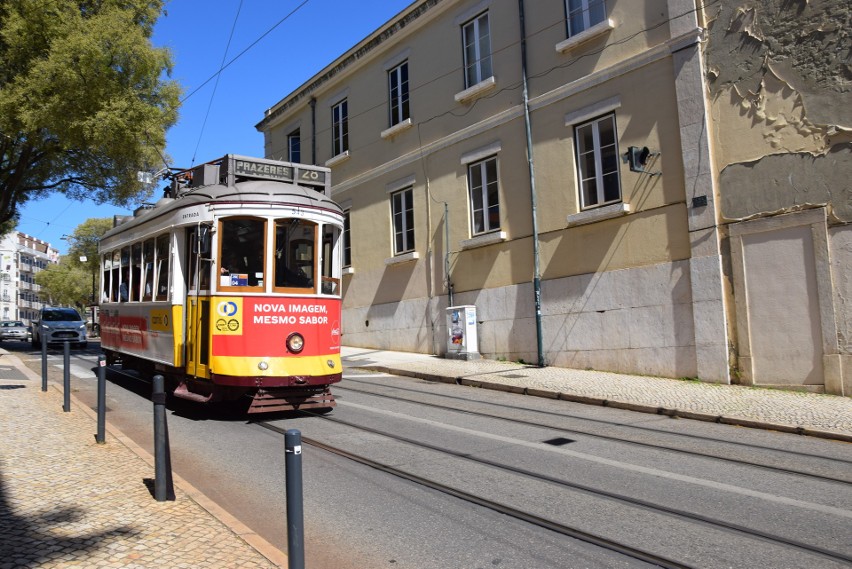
<point>311,176</point>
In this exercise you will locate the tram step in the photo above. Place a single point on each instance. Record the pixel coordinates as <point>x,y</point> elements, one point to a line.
<point>183,392</point>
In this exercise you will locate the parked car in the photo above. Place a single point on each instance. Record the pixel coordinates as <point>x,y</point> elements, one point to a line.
<point>14,330</point>
<point>56,325</point>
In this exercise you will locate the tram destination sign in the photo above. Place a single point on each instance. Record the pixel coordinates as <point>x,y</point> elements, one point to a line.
<point>263,170</point>
<point>278,172</point>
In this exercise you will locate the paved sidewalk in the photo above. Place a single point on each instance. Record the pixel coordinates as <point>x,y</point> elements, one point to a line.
<point>66,501</point>
<point>826,416</point>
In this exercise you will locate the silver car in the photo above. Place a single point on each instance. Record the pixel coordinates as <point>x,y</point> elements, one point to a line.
<point>58,325</point>
<point>14,330</point>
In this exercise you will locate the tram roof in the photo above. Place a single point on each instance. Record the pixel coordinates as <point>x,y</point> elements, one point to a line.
<point>263,192</point>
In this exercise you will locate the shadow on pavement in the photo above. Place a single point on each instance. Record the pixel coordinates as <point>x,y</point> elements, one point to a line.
<point>35,539</point>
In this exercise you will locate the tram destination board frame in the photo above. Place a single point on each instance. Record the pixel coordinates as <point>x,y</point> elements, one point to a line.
<point>316,177</point>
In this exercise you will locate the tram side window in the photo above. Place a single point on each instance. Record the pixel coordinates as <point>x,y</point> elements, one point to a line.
<point>148,269</point>
<point>124,278</point>
<point>106,262</point>
<point>330,252</point>
<point>295,253</point>
<point>162,264</point>
<point>242,245</point>
<point>115,278</point>
<point>198,267</point>
<point>136,272</point>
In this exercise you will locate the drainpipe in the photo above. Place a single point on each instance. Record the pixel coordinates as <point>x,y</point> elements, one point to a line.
<point>313,131</point>
<point>447,254</point>
<point>536,263</point>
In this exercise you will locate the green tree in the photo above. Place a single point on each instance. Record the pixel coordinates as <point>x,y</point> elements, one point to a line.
<point>65,283</point>
<point>84,103</point>
<point>8,226</point>
<point>73,280</point>
<point>84,242</point>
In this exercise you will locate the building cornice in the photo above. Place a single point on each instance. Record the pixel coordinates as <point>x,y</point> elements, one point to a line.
<point>352,57</point>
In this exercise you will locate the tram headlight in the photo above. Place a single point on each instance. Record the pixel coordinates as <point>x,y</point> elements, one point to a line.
<point>295,342</point>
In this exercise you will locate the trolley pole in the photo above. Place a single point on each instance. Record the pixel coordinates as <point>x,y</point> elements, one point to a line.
<point>295,510</point>
<point>100,437</point>
<point>163,486</point>
<point>43,365</point>
<point>66,375</point>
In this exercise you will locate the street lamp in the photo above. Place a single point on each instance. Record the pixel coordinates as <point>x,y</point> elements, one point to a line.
<point>84,259</point>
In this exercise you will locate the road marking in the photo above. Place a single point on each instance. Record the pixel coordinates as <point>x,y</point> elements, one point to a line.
<point>614,463</point>
<point>79,372</point>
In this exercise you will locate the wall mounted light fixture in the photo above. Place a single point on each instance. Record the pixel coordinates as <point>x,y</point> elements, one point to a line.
<point>637,158</point>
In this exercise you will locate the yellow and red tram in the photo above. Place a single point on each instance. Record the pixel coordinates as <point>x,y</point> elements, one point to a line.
<point>230,285</point>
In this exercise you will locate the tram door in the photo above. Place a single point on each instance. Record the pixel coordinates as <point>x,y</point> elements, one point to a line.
<point>198,303</point>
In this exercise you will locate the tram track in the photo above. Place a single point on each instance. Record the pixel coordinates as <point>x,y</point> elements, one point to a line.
<point>515,513</point>
<point>599,436</point>
<point>552,525</point>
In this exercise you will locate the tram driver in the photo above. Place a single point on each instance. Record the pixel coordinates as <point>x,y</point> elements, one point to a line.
<point>241,262</point>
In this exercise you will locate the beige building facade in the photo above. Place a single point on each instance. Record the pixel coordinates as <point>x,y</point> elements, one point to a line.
<point>618,242</point>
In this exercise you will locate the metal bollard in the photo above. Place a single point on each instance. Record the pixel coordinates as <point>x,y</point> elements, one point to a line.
<point>66,376</point>
<point>163,485</point>
<point>100,437</point>
<point>43,365</point>
<point>295,510</point>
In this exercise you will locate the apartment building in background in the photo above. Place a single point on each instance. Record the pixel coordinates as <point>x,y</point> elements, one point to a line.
<point>655,187</point>
<point>22,257</point>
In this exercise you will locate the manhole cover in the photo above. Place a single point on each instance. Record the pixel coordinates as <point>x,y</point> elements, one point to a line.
<point>512,375</point>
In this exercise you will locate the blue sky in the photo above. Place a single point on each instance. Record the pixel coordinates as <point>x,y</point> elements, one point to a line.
<point>198,34</point>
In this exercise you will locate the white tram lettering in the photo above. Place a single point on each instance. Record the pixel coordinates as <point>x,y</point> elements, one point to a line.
<point>274,319</point>
<point>261,308</point>
<point>313,320</point>
<point>311,308</point>
<point>291,309</point>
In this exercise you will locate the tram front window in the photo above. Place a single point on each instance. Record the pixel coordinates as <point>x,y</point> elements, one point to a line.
<point>241,252</point>
<point>295,253</point>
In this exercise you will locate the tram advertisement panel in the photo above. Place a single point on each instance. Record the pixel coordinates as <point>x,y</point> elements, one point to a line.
<point>259,326</point>
<point>141,330</point>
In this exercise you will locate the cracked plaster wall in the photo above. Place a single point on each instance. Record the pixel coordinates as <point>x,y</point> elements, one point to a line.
<point>780,89</point>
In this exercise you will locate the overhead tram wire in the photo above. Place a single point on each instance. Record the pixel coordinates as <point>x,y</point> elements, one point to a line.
<point>243,52</point>
<point>216,84</point>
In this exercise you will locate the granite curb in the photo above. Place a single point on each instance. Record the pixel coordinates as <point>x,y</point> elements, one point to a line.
<point>614,403</point>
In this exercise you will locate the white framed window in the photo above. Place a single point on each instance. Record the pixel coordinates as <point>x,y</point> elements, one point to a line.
<point>597,162</point>
<point>476,39</point>
<point>583,14</point>
<point>484,196</point>
<point>340,128</point>
<point>398,93</point>
<point>402,209</point>
<point>294,147</point>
